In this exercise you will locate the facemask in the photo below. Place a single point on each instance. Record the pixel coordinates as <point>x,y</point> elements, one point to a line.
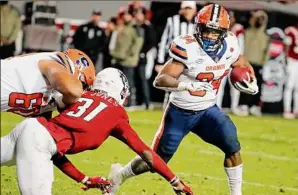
<point>208,45</point>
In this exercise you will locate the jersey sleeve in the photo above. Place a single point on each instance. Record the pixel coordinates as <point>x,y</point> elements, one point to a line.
<point>68,168</point>
<point>233,47</point>
<point>178,50</point>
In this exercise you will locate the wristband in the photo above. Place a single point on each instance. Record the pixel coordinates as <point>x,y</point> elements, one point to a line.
<point>85,179</point>
<point>174,180</point>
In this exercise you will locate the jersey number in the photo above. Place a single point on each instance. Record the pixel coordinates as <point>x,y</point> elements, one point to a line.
<point>208,77</point>
<point>83,108</point>
<point>25,104</point>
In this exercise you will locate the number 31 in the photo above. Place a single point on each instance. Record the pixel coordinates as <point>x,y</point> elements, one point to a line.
<point>83,108</point>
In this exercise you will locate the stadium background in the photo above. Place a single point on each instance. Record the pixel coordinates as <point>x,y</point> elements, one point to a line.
<point>69,17</point>
<point>269,143</point>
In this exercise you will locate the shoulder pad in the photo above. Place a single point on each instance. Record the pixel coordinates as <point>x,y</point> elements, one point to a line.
<point>178,49</point>
<point>230,34</point>
<point>231,37</point>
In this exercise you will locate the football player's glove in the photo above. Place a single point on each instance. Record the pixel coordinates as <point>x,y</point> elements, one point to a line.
<point>97,182</point>
<point>195,86</point>
<point>180,188</point>
<point>58,97</point>
<point>247,87</point>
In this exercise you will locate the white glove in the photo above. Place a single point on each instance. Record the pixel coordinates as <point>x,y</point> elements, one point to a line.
<point>58,97</point>
<point>195,86</point>
<point>248,87</point>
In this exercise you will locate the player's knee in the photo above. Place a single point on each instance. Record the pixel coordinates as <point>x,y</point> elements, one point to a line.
<point>231,143</point>
<point>166,152</point>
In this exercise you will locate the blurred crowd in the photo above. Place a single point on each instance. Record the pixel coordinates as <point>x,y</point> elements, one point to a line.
<point>128,41</point>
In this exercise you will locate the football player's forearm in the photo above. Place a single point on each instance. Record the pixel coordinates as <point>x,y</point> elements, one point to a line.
<point>68,168</point>
<point>154,161</point>
<point>243,62</point>
<point>71,89</point>
<point>166,82</point>
<point>61,80</point>
<point>149,156</point>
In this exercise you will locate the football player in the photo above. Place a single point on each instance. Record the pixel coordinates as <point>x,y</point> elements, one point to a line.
<point>30,83</point>
<point>198,63</point>
<point>37,143</point>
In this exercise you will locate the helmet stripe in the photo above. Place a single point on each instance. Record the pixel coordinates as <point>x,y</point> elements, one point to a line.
<point>215,13</point>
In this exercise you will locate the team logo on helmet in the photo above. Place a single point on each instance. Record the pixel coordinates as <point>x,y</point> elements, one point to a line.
<point>82,63</point>
<point>124,91</point>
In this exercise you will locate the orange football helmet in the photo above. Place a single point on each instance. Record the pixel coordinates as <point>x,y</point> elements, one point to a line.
<point>84,67</point>
<point>211,26</point>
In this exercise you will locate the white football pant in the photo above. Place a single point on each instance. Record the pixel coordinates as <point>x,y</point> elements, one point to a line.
<point>291,86</point>
<point>31,147</point>
<point>234,93</point>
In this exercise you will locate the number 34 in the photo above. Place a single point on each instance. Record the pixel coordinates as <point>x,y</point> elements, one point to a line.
<point>208,77</point>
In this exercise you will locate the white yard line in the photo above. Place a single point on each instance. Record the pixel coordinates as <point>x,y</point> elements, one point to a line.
<point>244,182</point>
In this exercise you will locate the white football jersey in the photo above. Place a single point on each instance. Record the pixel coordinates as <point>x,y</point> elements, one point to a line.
<point>201,67</point>
<point>24,90</point>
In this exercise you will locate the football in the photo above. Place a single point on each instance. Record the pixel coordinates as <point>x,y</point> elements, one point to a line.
<point>238,74</point>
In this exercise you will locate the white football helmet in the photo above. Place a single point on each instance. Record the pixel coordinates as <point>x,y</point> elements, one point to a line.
<point>114,83</point>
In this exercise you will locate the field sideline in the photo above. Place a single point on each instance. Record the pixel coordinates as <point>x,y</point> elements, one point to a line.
<point>269,149</point>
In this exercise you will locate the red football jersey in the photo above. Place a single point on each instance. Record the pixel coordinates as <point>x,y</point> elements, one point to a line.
<point>292,35</point>
<point>86,124</point>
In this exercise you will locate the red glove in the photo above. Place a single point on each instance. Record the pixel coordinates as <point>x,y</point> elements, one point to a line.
<point>180,188</point>
<point>96,182</point>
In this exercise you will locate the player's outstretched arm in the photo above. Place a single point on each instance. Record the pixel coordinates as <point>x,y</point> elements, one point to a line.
<point>71,171</point>
<point>125,133</point>
<point>61,80</point>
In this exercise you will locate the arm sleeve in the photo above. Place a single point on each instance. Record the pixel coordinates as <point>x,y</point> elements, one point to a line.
<point>126,134</point>
<point>163,42</point>
<point>68,168</point>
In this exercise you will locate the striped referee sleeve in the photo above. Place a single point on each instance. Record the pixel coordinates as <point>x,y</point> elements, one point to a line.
<point>166,35</point>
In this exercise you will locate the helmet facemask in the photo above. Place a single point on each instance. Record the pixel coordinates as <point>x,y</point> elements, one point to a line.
<point>209,36</point>
<point>124,94</point>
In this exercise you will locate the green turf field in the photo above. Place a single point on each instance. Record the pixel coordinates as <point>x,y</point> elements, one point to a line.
<point>269,150</point>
